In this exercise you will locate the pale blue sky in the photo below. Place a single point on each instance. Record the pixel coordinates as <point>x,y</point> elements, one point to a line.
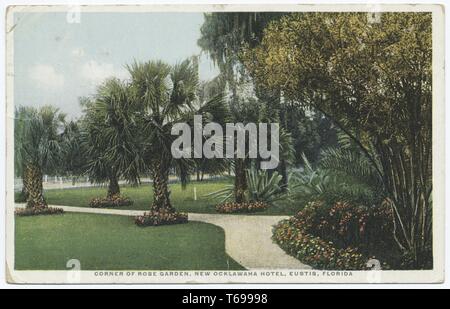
<point>55,62</point>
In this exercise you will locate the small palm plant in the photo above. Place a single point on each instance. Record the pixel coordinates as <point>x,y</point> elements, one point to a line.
<point>263,187</point>
<point>341,175</point>
<point>38,148</point>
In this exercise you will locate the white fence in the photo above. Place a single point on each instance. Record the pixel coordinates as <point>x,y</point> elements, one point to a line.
<point>63,182</point>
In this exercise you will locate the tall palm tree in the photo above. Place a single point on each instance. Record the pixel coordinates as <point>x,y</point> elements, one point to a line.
<point>73,157</point>
<point>38,148</point>
<point>109,135</point>
<point>164,95</point>
<point>220,113</point>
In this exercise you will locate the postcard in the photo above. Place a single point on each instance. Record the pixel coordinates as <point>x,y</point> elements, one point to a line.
<point>198,144</point>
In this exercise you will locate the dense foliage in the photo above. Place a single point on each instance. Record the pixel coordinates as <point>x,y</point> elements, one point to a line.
<point>160,217</point>
<point>339,175</point>
<point>373,80</point>
<point>336,236</point>
<point>244,207</point>
<point>116,200</point>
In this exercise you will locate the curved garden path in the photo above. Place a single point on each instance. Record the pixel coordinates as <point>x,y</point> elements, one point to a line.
<point>247,237</point>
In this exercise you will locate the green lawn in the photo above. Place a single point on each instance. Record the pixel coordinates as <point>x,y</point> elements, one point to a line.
<point>107,242</point>
<point>182,200</point>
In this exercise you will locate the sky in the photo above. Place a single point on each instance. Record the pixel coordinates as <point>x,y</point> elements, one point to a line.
<point>56,61</point>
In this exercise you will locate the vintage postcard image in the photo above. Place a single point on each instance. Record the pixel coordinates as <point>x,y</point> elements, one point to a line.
<point>225,144</point>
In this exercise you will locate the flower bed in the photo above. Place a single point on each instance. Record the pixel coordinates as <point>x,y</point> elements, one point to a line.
<point>108,202</point>
<point>246,207</point>
<point>332,237</point>
<point>315,251</point>
<point>161,217</point>
<point>36,211</point>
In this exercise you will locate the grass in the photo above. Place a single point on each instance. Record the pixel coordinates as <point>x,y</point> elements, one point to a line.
<point>107,242</point>
<point>182,200</point>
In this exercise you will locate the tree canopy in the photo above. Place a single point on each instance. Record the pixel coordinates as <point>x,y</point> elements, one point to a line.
<point>373,80</point>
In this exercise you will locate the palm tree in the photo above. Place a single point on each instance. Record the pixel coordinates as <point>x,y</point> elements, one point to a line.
<point>38,148</point>
<point>109,135</point>
<point>73,157</point>
<point>207,91</point>
<point>164,95</point>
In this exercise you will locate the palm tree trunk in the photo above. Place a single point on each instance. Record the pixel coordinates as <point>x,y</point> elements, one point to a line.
<point>184,178</point>
<point>24,194</point>
<point>240,181</point>
<point>161,193</point>
<point>33,183</point>
<point>113,187</point>
<point>284,175</point>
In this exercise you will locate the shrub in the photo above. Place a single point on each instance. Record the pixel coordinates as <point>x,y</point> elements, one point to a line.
<point>337,236</point>
<point>261,188</point>
<point>113,201</point>
<point>264,188</point>
<point>162,217</point>
<point>36,211</point>
<point>246,207</point>
<point>348,225</point>
<point>315,251</point>
<point>341,175</point>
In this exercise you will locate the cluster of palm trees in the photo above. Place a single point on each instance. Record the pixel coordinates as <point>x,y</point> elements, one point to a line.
<point>125,132</point>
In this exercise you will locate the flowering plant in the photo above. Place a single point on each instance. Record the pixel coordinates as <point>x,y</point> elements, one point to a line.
<point>245,207</point>
<point>161,217</point>
<point>332,237</point>
<point>113,201</point>
<point>35,211</point>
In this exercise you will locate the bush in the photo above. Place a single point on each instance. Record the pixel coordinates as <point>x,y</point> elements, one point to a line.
<point>162,217</point>
<point>246,207</point>
<point>264,188</point>
<point>341,175</point>
<point>348,225</point>
<point>315,251</point>
<point>261,188</point>
<point>338,236</point>
<point>36,211</point>
<point>113,201</point>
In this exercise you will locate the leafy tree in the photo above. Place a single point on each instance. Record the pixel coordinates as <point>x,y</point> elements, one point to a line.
<point>373,80</point>
<point>38,148</point>
<point>224,36</point>
<point>110,134</point>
